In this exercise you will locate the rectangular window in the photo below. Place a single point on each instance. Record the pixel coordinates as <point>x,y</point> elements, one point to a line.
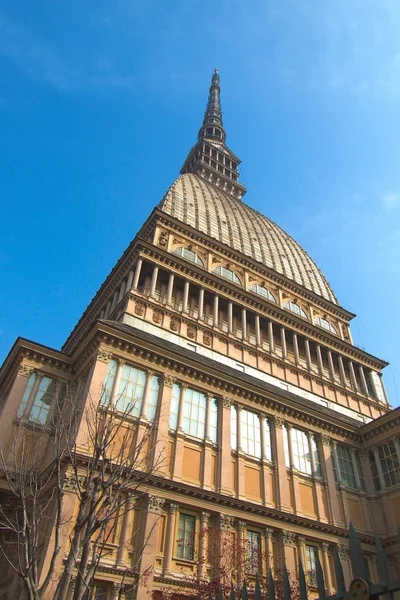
<point>267,436</point>
<point>109,382</point>
<point>194,413</point>
<point>311,560</point>
<point>250,426</point>
<point>302,451</point>
<point>360,471</point>
<point>347,476</point>
<point>186,534</point>
<point>173,415</point>
<point>214,420</point>
<point>37,399</point>
<point>131,388</point>
<point>389,463</point>
<point>233,428</point>
<point>253,552</point>
<point>374,469</point>
<point>153,398</point>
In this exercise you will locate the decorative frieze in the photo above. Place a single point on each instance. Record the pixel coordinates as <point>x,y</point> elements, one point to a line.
<point>155,504</point>
<point>288,538</point>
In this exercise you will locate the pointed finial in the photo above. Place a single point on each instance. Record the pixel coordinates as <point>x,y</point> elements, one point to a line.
<point>212,122</point>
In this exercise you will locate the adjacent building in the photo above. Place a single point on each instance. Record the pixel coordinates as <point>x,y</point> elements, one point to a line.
<point>275,429</point>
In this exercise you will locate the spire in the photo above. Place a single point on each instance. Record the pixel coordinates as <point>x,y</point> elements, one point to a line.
<point>213,115</point>
<point>211,158</point>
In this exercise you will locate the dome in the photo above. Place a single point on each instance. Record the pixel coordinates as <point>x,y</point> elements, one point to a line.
<point>210,210</point>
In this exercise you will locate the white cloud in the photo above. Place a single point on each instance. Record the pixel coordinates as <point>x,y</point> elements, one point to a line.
<point>391,200</point>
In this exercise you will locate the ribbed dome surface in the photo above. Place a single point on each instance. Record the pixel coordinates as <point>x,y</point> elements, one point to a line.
<point>208,209</point>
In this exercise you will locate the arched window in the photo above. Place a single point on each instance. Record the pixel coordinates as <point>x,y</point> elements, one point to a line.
<point>296,309</point>
<point>325,324</point>
<point>189,255</point>
<point>228,274</point>
<point>262,291</point>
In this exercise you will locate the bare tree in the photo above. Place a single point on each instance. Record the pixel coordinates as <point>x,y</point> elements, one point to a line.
<point>102,457</point>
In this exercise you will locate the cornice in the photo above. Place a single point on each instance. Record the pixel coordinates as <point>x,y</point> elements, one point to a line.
<point>252,264</point>
<point>260,353</point>
<point>247,299</point>
<point>383,424</point>
<point>183,366</point>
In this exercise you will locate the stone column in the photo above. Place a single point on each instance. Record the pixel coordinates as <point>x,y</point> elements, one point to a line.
<point>355,468</point>
<point>224,455</point>
<point>342,373</point>
<point>283,496</point>
<point>344,556</point>
<point>121,291</point>
<point>268,548</point>
<point>125,532</point>
<point>185,296</point>
<point>149,543</point>
<point>230,317</point>
<point>363,380</point>
<point>201,303</point>
<point>301,550</point>
<point>153,283</point>
<point>327,571</point>
<point>146,394</point>
<point>241,551</point>
<point>169,539</point>
<point>117,381</point>
<point>257,329</point>
<point>116,590</point>
<point>271,343</point>
<point>129,280</point>
<point>170,288</point>
<point>161,465</point>
<point>244,324</point>
<point>319,361</point>
<point>308,354</point>
<point>334,508</point>
<point>283,342</point>
<point>331,366</point>
<point>352,376</point>
<point>215,310</point>
<point>296,349</point>
<point>203,545</point>
<point>207,475</point>
<point>138,270</point>
<point>288,542</point>
<point>181,407</point>
<point>379,469</point>
<point>290,445</point>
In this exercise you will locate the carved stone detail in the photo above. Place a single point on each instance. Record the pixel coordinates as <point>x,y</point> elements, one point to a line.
<point>278,421</point>
<point>174,325</point>
<point>25,370</point>
<point>139,309</point>
<point>268,532</point>
<point>155,503</point>
<point>326,439</point>
<point>173,508</point>
<point>241,526</point>
<point>227,402</point>
<point>207,339</point>
<point>191,332</point>
<point>301,540</point>
<point>288,538</point>
<point>157,316</point>
<point>226,522</point>
<point>204,517</point>
<point>168,380</point>
<point>343,550</point>
<point>104,355</point>
<point>325,547</point>
<point>163,239</point>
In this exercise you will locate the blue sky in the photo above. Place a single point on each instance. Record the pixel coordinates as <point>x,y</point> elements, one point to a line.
<point>101,101</point>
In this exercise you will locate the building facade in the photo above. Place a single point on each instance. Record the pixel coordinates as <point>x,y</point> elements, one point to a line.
<point>274,431</point>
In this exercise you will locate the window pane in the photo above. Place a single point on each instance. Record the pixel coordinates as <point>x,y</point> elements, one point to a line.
<point>153,397</point>
<point>43,399</point>
<point>131,389</point>
<point>108,382</point>
<point>186,533</point>
<point>233,428</point>
<point>262,291</point>
<point>26,395</point>
<point>347,476</point>
<point>253,551</point>
<point>173,415</point>
<point>251,439</point>
<point>389,463</point>
<point>195,413</point>
<point>311,560</point>
<point>296,309</point>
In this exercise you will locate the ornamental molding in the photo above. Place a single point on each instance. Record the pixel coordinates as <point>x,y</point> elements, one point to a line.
<point>25,370</point>
<point>278,421</point>
<point>103,354</point>
<point>155,504</point>
<point>226,522</point>
<point>168,380</point>
<point>344,551</point>
<point>173,508</point>
<point>288,538</point>
<point>326,439</point>
<point>268,531</point>
<point>204,517</point>
<point>227,401</point>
